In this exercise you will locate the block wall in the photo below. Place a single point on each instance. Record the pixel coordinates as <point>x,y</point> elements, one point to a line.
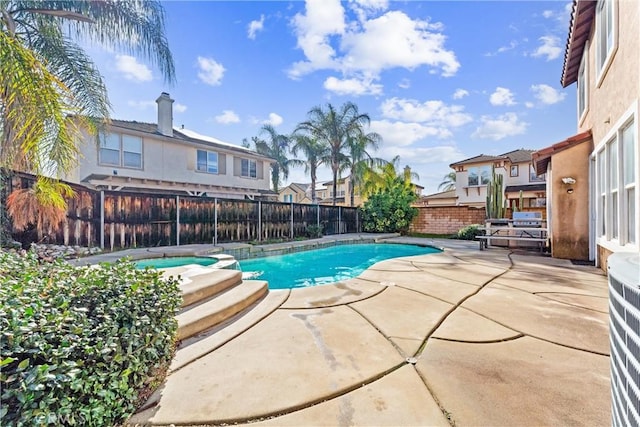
<point>445,219</point>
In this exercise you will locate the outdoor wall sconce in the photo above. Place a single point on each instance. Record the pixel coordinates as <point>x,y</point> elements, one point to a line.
<point>568,180</point>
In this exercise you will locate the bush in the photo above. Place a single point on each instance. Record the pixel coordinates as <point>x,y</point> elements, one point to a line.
<point>314,231</point>
<point>389,211</point>
<point>470,232</point>
<point>79,344</point>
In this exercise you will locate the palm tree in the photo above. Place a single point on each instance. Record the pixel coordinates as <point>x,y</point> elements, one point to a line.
<point>335,128</point>
<point>276,148</point>
<point>49,86</point>
<point>387,177</point>
<point>313,152</point>
<point>449,182</point>
<point>360,160</point>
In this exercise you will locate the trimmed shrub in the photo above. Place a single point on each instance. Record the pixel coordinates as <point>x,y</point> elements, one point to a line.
<point>80,343</point>
<point>389,211</point>
<point>470,232</point>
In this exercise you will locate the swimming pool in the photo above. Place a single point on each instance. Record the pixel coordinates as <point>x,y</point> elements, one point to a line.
<point>174,261</point>
<point>326,265</point>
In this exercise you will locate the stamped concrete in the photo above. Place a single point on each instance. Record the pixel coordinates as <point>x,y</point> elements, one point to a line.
<point>464,337</point>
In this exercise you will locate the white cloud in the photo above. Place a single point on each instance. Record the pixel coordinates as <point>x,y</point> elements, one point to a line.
<point>529,104</point>
<point>502,96</point>
<point>401,134</point>
<point>352,86</point>
<point>423,155</point>
<point>254,27</point>
<point>367,47</point>
<point>550,48</point>
<point>395,40</point>
<point>132,69</point>
<point>366,8</point>
<point>434,113</point>
<point>227,117</point>
<point>546,94</point>
<point>500,127</point>
<point>141,105</point>
<point>179,108</point>
<point>273,120</point>
<point>512,45</point>
<point>460,93</point>
<point>211,72</point>
<point>547,14</point>
<point>404,84</point>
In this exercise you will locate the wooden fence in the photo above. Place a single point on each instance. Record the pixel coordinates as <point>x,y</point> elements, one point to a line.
<point>117,220</point>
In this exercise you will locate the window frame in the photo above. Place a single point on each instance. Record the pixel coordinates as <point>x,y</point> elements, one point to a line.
<point>249,163</point>
<point>617,226</point>
<point>121,151</point>
<point>583,84</point>
<point>478,170</point>
<point>533,177</point>
<point>207,166</point>
<point>511,171</point>
<point>603,62</point>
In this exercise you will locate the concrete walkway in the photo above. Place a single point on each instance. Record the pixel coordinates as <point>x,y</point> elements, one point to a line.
<point>463,337</point>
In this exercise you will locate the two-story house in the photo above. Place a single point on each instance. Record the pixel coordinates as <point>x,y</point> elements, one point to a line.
<point>159,158</point>
<point>596,172</point>
<point>519,177</point>
<point>295,193</point>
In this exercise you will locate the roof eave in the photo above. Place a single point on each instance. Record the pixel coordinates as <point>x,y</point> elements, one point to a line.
<point>582,17</point>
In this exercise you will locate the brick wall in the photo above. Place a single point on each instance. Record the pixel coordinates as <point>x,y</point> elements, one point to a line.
<point>445,219</point>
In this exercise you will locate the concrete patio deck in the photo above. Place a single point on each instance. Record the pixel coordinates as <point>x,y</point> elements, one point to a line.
<point>462,337</point>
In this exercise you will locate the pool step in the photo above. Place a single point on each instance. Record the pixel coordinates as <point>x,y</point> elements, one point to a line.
<point>198,287</point>
<point>206,315</point>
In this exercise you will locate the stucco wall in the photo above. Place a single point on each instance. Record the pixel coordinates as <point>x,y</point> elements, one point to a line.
<point>570,213</point>
<point>445,220</point>
<point>166,160</point>
<point>615,93</point>
<point>619,86</point>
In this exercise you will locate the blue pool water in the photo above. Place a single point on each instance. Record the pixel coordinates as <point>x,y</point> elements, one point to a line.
<point>174,261</point>
<point>327,265</point>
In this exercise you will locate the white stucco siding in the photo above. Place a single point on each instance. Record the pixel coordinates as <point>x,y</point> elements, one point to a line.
<point>170,161</point>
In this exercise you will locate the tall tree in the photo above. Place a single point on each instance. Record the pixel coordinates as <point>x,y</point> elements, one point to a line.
<point>448,182</point>
<point>276,147</point>
<point>313,152</point>
<point>334,128</point>
<point>388,177</point>
<point>49,86</point>
<point>359,159</point>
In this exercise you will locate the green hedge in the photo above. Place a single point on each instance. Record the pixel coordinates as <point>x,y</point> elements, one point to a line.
<point>470,232</point>
<point>79,343</point>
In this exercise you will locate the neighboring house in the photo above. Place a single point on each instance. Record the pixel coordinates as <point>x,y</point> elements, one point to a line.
<point>516,168</point>
<point>158,158</point>
<point>444,198</point>
<point>602,57</point>
<point>296,193</point>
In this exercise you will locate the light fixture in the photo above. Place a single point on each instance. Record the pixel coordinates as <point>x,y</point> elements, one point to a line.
<point>568,180</point>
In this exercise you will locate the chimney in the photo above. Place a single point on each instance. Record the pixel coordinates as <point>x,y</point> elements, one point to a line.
<point>165,114</point>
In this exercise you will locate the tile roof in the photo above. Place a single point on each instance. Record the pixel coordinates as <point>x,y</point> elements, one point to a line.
<point>184,135</point>
<point>582,17</point>
<point>482,158</point>
<point>541,158</point>
<point>442,195</point>
<point>525,187</point>
<point>516,156</point>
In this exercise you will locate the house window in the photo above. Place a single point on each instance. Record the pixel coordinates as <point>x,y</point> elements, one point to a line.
<point>479,175</point>
<point>536,178</point>
<point>629,144</point>
<point>616,187</point>
<point>120,150</point>
<point>248,168</point>
<point>583,99</point>
<point>605,33</point>
<point>207,161</point>
<point>513,171</point>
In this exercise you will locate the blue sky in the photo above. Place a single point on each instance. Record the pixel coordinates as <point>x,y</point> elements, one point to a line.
<point>441,81</point>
